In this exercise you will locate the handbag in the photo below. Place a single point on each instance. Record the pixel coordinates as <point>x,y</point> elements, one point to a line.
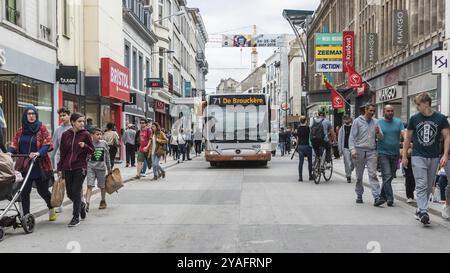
<point>23,163</point>
<point>114,181</point>
<point>58,190</point>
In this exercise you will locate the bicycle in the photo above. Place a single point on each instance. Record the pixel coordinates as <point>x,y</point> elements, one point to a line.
<point>321,167</point>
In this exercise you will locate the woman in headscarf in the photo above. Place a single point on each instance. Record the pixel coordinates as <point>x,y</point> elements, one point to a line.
<point>33,139</point>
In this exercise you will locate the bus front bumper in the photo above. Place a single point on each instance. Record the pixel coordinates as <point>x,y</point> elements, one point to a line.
<point>258,157</point>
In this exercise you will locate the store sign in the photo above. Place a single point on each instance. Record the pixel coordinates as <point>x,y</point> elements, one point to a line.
<point>67,74</point>
<point>160,107</point>
<point>154,82</point>
<point>115,80</point>
<point>328,38</point>
<point>372,47</point>
<point>388,94</point>
<point>2,57</point>
<point>329,66</point>
<point>263,40</point>
<point>349,49</point>
<point>401,36</point>
<point>440,62</point>
<point>187,88</point>
<point>329,52</point>
<point>238,100</point>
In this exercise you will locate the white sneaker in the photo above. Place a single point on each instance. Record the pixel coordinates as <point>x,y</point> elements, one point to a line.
<point>143,175</point>
<point>446,212</point>
<point>409,201</point>
<point>59,210</point>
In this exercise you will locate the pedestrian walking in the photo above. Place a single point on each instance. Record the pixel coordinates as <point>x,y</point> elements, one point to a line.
<point>145,136</point>
<point>344,147</point>
<point>112,138</point>
<point>165,146</point>
<point>362,142</point>
<point>282,137</point>
<point>304,148</point>
<point>189,143</point>
<point>181,139</point>
<point>2,128</point>
<point>64,115</point>
<point>410,182</point>
<point>389,151</point>
<point>33,139</point>
<point>425,130</point>
<point>174,147</point>
<point>159,140</point>
<point>198,139</point>
<point>76,147</point>
<point>129,138</point>
<point>99,165</point>
<point>446,207</point>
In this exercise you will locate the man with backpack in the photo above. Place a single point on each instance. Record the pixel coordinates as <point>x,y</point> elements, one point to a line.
<point>322,135</point>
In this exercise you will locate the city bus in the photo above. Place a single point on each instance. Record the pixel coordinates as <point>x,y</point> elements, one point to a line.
<point>238,128</point>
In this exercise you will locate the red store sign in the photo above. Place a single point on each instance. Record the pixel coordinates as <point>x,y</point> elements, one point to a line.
<point>160,106</point>
<point>349,49</point>
<point>115,80</point>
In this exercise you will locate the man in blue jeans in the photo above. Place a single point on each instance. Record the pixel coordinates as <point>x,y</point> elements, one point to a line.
<point>389,152</point>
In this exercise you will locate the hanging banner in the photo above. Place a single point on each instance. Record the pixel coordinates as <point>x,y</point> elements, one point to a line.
<point>401,35</point>
<point>372,47</point>
<point>337,101</point>
<point>328,38</point>
<point>349,49</point>
<point>329,52</point>
<point>354,80</point>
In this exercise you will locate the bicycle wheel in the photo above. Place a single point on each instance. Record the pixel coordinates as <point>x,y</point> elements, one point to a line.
<point>328,170</point>
<point>316,170</point>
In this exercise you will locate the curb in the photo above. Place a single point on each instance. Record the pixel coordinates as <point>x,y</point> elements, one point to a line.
<point>44,211</point>
<point>401,198</point>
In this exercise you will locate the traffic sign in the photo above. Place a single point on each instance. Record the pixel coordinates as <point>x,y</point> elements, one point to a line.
<point>441,62</point>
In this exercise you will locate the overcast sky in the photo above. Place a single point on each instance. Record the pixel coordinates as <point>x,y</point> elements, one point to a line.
<point>237,17</point>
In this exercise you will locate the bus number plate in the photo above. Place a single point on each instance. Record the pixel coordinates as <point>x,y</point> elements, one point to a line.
<point>238,158</point>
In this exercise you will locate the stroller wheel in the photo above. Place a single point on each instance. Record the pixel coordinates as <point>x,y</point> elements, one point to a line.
<point>2,234</point>
<point>28,223</point>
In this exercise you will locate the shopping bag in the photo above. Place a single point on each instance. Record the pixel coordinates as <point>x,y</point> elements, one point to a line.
<point>58,190</point>
<point>114,181</point>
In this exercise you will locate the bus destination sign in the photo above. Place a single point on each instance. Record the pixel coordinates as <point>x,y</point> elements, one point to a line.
<point>238,100</point>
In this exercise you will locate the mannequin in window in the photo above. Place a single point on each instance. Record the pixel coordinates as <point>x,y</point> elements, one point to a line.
<point>2,127</point>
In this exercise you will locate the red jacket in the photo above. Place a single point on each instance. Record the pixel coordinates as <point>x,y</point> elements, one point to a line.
<point>73,157</point>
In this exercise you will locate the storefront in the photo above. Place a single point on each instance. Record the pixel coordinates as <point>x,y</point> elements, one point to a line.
<point>424,83</point>
<point>21,85</point>
<point>136,111</point>
<point>161,113</point>
<point>391,95</point>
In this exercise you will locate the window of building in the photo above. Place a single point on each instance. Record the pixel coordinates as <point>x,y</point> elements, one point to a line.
<point>169,9</point>
<point>161,11</point>
<point>147,68</point>
<point>65,8</point>
<point>127,55</point>
<point>135,69</point>
<point>141,72</point>
<point>12,11</point>
<point>161,62</point>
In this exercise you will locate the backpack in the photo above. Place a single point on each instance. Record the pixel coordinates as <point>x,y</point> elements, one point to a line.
<point>317,132</point>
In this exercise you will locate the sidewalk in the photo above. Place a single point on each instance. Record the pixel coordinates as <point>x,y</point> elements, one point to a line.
<point>398,186</point>
<point>39,208</point>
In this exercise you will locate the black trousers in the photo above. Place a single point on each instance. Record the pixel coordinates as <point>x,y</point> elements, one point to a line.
<point>410,182</point>
<point>74,185</point>
<point>188,149</point>
<point>327,146</point>
<point>130,154</point>
<point>42,189</point>
<point>198,146</point>
<point>112,154</point>
<point>175,152</point>
<point>2,141</point>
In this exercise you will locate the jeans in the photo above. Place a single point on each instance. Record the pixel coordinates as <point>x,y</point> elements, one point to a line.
<point>188,148</point>
<point>368,158</point>
<point>130,154</point>
<point>42,189</point>
<point>304,150</point>
<point>348,162</point>
<point>175,152</point>
<point>424,170</point>
<point>112,155</point>
<point>155,165</point>
<point>388,165</point>
<point>443,184</point>
<point>74,185</point>
<point>144,168</point>
<point>198,146</point>
<point>410,182</point>
<point>282,148</point>
<point>182,150</point>
<point>447,189</point>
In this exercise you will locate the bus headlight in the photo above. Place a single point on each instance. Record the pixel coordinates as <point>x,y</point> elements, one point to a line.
<point>213,153</point>
<point>262,152</point>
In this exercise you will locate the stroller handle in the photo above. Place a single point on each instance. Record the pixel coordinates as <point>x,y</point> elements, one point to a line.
<point>19,156</point>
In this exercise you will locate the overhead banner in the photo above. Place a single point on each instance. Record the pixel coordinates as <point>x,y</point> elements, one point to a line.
<point>401,35</point>
<point>329,52</point>
<point>354,80</point>
<point>349,49</point>
<point>337,101</point>
<point>328,38</point>
<point>263,40</point>
<point>329,66</point>
<point>372,47</point>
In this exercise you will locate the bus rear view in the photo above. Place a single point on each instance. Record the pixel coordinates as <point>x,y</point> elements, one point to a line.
<point>238,128</point>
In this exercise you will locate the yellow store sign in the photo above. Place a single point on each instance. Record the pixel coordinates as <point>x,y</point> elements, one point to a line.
<point>329,52</point>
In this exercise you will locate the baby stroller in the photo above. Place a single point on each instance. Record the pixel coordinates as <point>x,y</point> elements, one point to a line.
<point>11,187</point>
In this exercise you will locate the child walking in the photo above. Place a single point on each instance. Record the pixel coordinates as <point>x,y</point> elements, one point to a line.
<point>98,164</point>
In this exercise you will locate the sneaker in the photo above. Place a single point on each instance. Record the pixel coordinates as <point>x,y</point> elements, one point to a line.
<point>163,174</point>
<point>74,222</point>
<point>137,177</point>
<point>87,207</point>
<point>446,212</point>
<point>424,218</point>
<point>143,175</point>
<point>300,179</point>
<point>312,177</point>
<point>349,180</point>
<point>102,205</point>
<point>59,210</point>
<point>378,202</point>
<point>390,203</point>
<point>154,178</point>
<point>52,215</point>
<point>83,211</point>
<point>359,200</point>
<point>410,200</point>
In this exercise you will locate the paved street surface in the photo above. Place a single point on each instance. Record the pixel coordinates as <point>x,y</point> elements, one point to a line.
<point>234,209</point>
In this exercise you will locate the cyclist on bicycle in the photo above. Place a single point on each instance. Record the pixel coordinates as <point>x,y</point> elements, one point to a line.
<point>322,135</point>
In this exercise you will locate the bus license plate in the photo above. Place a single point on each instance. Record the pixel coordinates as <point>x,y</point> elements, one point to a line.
<point>238,158</point>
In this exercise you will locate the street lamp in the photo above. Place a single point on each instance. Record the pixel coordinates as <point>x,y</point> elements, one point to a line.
<point>179,13</point>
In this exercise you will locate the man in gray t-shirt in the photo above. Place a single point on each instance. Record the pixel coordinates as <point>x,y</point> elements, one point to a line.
<point>129,138</point>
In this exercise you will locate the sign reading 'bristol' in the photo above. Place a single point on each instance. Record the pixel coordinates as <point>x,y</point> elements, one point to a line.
<point>115,80</point>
